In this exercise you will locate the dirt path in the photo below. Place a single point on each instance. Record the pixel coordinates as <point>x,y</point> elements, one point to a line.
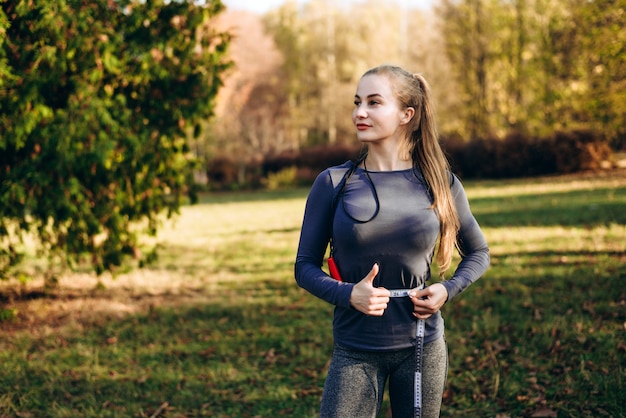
<point>79,300</point>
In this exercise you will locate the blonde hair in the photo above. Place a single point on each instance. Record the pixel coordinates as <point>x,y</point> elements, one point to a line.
<point>412,90</point>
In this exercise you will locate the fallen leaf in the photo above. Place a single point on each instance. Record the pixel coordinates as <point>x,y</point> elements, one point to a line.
<point>544,413</point>
<point>270,356</point>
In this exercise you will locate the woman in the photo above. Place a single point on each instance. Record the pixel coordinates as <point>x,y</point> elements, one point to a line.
<point>385,216</point>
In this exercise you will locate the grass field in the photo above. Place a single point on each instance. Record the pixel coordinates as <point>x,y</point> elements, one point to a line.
<point>217,326</point>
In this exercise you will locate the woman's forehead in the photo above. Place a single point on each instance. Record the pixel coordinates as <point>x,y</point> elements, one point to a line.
<point>374,84</point>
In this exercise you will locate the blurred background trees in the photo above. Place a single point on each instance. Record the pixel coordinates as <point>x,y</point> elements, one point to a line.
<point>527,69</point>
<point>537,66</point>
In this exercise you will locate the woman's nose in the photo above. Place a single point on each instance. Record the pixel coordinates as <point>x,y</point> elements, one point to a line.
<point>359,112</point>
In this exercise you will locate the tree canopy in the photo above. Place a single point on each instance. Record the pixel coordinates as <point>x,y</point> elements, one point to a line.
<point>97,99</point>
<point>537,65</point>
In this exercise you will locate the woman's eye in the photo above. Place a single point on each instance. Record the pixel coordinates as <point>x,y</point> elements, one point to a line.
<point>373,103</point>
<point>357,103</point>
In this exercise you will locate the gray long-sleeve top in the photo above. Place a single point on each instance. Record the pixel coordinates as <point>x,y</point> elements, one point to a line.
<point>401,238</point>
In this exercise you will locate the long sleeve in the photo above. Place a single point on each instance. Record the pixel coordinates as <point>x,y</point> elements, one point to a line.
<point>314,237</point>
<point>475,256</point>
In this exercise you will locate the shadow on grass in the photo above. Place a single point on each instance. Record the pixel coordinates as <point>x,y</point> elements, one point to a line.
<point>246,354</point>
<point>576,208</point>
<point>554,258</point>
<point>530,345</point>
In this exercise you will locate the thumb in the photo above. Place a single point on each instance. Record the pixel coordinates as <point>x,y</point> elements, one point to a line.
<point>372,274</point>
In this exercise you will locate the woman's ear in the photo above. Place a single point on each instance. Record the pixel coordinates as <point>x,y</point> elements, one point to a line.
<point>409,112</point>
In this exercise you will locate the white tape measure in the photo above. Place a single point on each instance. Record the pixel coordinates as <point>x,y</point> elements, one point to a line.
<point>399,293</point>
<point>419,347</point>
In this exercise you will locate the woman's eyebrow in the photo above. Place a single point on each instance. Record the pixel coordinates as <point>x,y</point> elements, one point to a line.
<point>369,96</point>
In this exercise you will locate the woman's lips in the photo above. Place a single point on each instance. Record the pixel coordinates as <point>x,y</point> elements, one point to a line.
<point>362,126</point>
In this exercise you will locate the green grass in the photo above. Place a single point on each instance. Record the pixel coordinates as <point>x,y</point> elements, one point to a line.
<point>217,326</point>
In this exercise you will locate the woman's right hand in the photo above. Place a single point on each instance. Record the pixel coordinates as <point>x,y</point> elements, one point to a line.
<point>368,299</point>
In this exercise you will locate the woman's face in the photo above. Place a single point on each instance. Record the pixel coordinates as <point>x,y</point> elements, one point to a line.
<point>377,115</point>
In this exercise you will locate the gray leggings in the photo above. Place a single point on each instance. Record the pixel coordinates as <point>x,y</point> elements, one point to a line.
<point>356,382</point>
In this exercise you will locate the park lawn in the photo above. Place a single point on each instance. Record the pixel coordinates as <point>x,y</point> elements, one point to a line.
<point>217,326</point>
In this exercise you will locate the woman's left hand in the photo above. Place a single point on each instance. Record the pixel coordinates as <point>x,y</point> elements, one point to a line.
<point>429,300</point>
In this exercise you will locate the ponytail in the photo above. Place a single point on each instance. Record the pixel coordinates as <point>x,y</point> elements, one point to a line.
<point>428,155</point>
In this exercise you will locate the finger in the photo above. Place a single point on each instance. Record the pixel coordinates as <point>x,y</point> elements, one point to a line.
<point>421,302</point>
<point>424,309</point>
<point>380,299</point>
<point>378,306</point>
<point>376,312</point>
<point>420,294</point>
<point>372,274</point>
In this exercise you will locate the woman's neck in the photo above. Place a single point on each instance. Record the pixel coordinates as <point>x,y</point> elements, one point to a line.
<point>377,162</point>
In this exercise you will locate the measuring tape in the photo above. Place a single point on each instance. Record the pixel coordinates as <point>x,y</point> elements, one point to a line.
<point>419,347</point>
